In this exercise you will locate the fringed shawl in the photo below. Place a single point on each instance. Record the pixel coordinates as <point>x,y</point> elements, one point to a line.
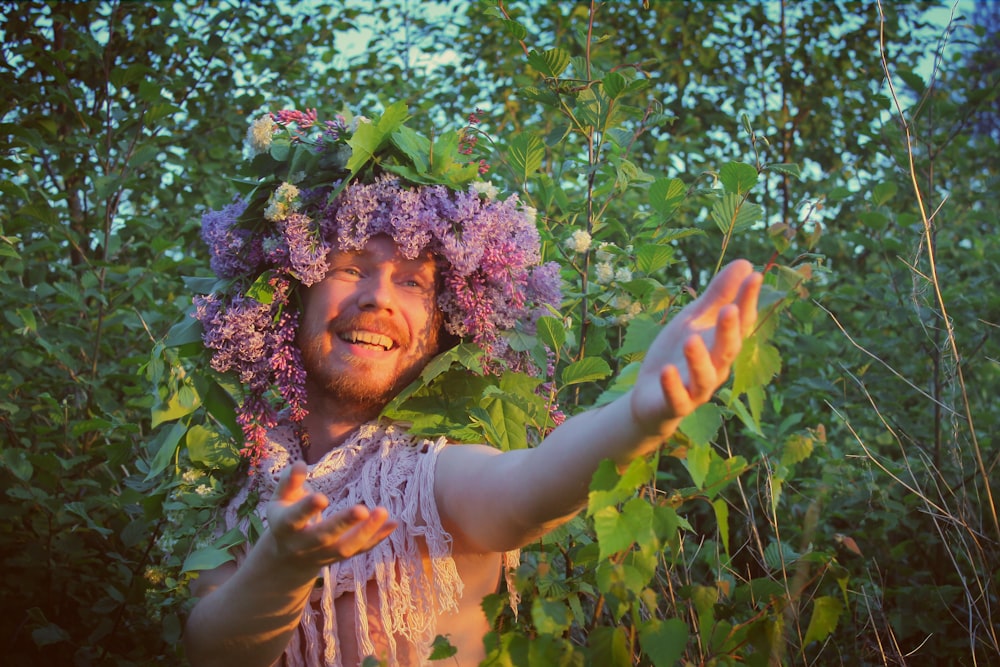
<point>380,465</point>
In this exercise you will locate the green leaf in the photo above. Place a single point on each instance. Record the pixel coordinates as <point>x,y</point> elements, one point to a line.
<point>703,424</point>
<point>721,508</point>
<point>588,369</point>
<point>665,195</point>
<point>698,460</point>
<point>826,614</point>
<point>789,168</point>
<point>551,617</point>
<point>526,153</point>
<point>617,531</point>
<point>653,257</point>
<point>614,84</point>
<point>16,460</point>
<point>883,192</point>
<point>642,330</point>
<point>733,215</point>
<point>756,363</point>
<point>550,63</point>
<point>416,147</point>
<point>441,649</point>
<point>515,29</point>
<point>206,558</point>
<point>509,422</point>
<point>738,178</point>
<point>664,641</point>
<point>188,330</point>
<point>211,448</point>
<point>797,448</point>
<point>551,332</point>
<point>608,487</point>
<point>165,443</point>
<point>183,403</point>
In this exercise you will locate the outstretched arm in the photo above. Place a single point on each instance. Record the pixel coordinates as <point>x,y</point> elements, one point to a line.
<point>496,501</point>
<point>246,615</point>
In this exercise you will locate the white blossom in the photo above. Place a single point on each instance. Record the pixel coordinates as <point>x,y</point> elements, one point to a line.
<point>485,188</point>
<point>579,241</point>
<point>531,213</point>
<point>623,275</point>
<point>602,254</point>
<point>605,273</point>
<point>259,135</point>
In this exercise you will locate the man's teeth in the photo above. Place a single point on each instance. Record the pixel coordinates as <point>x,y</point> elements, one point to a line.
<point>368,338</point>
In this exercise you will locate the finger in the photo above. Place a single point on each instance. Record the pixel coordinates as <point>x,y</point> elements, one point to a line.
<point>675,393</point>
<point>728,340</point>
<point>291,483</point>
<point>721,291</point>
<point>747,302</point>
<point>358,534</point>
<point>304,512</point>
<point>702,374</point>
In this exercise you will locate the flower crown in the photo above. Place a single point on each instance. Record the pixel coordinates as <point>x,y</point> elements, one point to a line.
<point>313,187</point>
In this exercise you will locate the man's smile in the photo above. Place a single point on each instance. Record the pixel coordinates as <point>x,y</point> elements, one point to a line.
<point>369,339</point>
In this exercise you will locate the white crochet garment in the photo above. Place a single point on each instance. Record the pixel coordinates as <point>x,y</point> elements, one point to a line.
<point>380,465</point>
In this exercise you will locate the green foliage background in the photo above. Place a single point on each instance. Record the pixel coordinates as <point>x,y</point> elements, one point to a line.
<point>833,507</point>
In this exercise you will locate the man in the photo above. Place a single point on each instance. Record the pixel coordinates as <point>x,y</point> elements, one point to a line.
<point>401,560</point>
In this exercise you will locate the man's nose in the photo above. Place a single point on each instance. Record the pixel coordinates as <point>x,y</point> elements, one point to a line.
<point>377,292</point>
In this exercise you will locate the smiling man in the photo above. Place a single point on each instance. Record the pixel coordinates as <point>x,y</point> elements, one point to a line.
<point>376,541</point>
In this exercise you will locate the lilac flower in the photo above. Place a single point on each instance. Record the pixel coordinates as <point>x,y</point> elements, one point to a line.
<point>232,251</point>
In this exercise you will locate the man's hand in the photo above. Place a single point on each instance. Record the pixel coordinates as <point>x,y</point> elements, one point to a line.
<point>692,356</point>
<point>308,540</point>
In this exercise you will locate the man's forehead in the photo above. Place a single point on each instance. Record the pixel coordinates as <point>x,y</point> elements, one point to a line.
<point>380,249</point>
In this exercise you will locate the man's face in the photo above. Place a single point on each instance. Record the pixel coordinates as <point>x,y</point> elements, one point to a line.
<point>371,325</point>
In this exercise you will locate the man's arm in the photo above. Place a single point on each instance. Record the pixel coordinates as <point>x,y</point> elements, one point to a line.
<point>246,615</point>
<point>494,501</point>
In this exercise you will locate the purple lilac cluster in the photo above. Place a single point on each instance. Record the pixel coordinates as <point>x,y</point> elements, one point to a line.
<point>488,251</point>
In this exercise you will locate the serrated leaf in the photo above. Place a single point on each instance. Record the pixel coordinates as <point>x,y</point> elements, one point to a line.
<point>738,178</point>
<point>797,448</point>
<point>515,29</point>
<point>441,649</point>
<point>789,168</point>
<point>826,614</point>
<point>641,332</point>
<point>526,153</point>
<point>733,215</point>
<point>550,617</point>
<point>653,257</point>
<point>588,369</point>
<point>551,332</point>
<point>703,424</point>
<point>614,84</point>
<point>550,63</point>
<point>755,365</point>
<point>665,195</point>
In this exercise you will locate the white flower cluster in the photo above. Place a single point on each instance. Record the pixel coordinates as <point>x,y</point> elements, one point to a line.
<point>259,135</point>
<point>485,188</point>
<point>283,201</point>
<point>579,241</point>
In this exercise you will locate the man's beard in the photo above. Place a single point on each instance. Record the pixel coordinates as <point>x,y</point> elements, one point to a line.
<point>355,386</point>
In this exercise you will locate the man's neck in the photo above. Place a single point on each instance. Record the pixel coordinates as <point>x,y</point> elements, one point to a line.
<point>331,421</point>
